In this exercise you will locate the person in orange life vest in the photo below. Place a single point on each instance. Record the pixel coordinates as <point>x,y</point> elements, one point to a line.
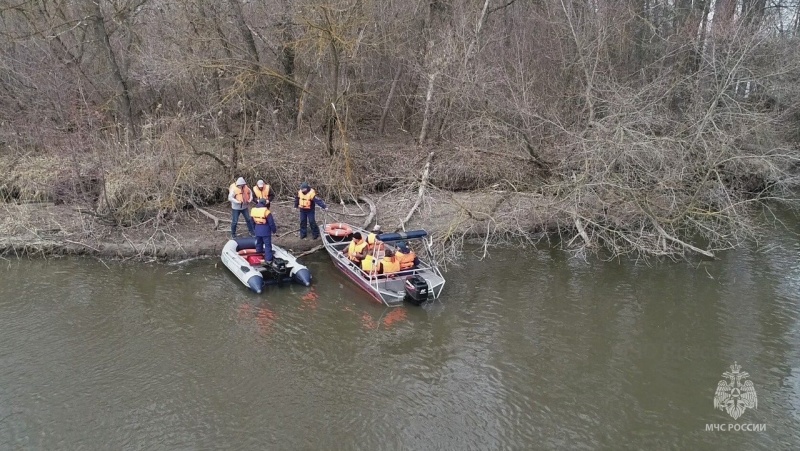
<point>263,191</point>
<point>265,228</point>
<point>389,263</point>
<point>407,258</point>
<point>306,200</point>
<point>357,249</point>
<point>240,196</point>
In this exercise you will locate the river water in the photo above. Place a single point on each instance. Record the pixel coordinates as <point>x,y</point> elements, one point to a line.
<point>530,351</point>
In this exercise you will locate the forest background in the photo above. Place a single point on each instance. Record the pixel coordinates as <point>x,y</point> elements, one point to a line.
<point>642,127</point>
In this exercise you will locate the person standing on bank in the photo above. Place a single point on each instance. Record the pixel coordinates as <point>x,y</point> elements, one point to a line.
<point>307,200</point>
<point>263,191</point>
<point>265,228</point>
<point>240,196</point>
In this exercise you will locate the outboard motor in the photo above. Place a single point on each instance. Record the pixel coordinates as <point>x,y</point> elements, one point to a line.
<point>416,290</point>
<point>278,268</point>
<point>277,272</point>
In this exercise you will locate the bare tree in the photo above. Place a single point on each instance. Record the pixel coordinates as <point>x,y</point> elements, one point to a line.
<point>646,126</point>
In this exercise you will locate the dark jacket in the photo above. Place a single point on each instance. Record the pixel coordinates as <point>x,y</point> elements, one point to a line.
<point>267,229</point>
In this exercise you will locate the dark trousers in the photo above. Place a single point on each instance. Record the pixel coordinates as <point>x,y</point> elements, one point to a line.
<point>264,244</point>
<point>247,219</point>
<point>308,215</point>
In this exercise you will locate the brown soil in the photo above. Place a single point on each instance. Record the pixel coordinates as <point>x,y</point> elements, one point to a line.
<point>46,230</point>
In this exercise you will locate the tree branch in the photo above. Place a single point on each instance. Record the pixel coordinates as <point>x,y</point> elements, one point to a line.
<point>496,8</point>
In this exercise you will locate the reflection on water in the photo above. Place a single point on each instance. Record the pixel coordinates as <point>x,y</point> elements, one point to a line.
<point>533,351</point>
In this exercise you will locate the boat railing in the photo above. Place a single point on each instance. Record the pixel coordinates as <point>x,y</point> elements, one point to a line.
<point>421,268</point>
<point>378,282</point>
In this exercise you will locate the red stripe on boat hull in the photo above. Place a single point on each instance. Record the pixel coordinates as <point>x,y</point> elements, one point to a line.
<point>361,282</point>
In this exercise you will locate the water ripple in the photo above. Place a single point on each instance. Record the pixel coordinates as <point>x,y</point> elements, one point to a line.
<point>570,355</point>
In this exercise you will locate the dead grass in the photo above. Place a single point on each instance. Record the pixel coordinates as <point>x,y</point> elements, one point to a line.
<point>48,229</point>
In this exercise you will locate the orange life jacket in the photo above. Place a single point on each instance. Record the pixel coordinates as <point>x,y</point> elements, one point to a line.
<point>406,260</point>
<point>241,195</point>
<point>305,199</point>
<point>355,249</point>
<point>259,215</point>
<point>389,265</point>
<point>261,193</point>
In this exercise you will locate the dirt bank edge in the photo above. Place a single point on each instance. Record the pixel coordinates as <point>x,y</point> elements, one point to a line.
<point>47,230</point>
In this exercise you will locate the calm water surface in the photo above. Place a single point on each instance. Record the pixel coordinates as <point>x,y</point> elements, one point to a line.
<point>523,352</point>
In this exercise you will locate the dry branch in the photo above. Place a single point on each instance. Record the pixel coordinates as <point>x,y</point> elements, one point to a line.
<point>684,244</point>
<point>202,152</point>
<point>205,213</point>
<point>310,251</point>
<point>353,215</point>
<point>582,232</point>
<point>288,233</point>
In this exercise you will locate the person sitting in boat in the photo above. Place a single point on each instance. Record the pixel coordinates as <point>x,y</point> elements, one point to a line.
<point>357,249</point>
<point>389,263</point>
<point>370,264</point>
<point>265,228</point>
<point>406,256</point>
<point>263,191</point>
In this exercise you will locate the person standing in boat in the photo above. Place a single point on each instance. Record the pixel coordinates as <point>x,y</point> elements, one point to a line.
<point>306,201</point>
<point>263,191</point>
<point>265,228</point>
<point>240,196</point>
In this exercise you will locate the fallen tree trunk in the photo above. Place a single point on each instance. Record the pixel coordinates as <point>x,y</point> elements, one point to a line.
<point>205,213</point>
<point>373,211</point>
<point>420,194</point>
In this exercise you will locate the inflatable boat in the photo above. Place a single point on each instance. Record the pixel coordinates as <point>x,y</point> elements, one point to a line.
<point>240,257</point>
<point>417,285</point>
